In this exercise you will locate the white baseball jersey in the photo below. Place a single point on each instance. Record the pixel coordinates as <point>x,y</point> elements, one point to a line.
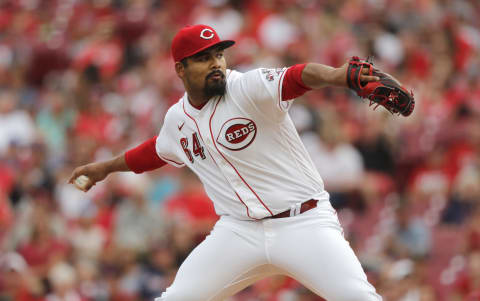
<point>243,147</point>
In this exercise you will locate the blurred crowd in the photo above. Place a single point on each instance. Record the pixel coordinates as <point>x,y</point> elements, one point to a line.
<point>83,80</point>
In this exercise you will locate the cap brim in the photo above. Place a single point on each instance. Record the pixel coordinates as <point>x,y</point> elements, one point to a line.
<point>223,45</point>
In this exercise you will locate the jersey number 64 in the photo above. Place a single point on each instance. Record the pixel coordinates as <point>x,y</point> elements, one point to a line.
<point>196,147</point>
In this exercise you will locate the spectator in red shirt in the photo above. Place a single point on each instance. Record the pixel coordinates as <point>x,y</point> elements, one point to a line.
<point>467,285</point>
<point>17,283</point>
<point>42,250</point>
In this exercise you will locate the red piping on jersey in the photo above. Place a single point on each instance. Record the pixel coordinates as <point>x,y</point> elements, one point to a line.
<point>165,159</point>
<point>213,141</point>
<point>198,107</point>
<point>280,82</point>
<point>196,125</point>
<point>198,129</point>
<point>200,133</point>
<point>248,212</point>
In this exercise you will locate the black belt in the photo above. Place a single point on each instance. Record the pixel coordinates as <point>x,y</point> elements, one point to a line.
<point>310,204</point>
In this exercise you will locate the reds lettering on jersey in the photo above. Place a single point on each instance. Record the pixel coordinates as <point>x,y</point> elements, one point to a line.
<point>243,146</point>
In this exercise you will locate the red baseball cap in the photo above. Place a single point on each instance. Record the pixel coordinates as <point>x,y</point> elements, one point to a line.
<point>191,40</point>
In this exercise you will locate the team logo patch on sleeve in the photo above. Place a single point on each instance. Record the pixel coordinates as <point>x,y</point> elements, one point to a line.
<point>237,133</point>
<point>270,74</point>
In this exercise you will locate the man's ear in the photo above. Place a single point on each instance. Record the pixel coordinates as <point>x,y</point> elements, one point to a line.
<point>180,69</point>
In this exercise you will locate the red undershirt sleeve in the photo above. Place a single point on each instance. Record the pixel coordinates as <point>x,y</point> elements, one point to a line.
<point>143,157</point>
<point>293,86</point>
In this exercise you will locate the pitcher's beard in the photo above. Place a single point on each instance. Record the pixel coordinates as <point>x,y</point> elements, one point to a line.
<point>214,87</point>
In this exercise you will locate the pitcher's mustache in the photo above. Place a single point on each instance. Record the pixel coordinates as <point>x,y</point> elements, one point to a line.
<point>215,73</point>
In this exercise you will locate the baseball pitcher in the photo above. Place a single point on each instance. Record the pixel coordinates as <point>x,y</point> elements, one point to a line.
<point>233,131</point>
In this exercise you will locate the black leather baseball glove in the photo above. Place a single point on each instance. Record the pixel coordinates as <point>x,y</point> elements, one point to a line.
<point>387,92</point>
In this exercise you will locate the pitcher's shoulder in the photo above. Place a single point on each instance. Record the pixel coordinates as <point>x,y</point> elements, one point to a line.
<point>175,110</point>
<point>233,75</point>
<point>255,74</point>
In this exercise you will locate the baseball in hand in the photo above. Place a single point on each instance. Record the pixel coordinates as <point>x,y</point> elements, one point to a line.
<point>81,182</point>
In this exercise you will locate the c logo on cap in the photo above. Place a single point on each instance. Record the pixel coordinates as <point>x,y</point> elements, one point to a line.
<point>207,36</point>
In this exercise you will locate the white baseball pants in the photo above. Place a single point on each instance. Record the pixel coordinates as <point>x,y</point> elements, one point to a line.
<point>309,247</point>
